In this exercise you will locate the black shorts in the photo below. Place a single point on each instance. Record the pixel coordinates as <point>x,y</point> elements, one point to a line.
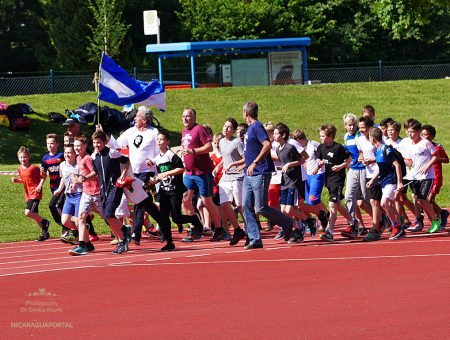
<point>335,193</point>
<point>33,205</point>
<point>421,188</point>
<point>216,198</point>
<point>111,202</point>
<point>375,190</point>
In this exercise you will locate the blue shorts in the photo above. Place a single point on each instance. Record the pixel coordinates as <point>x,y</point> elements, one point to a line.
<point>111,202</point>
<point>71,204</point>
<point>201,183</point>
<point>289,196</point>
<point>313,188</point>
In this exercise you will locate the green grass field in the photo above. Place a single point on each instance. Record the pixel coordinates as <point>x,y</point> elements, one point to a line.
<point>303,107</point>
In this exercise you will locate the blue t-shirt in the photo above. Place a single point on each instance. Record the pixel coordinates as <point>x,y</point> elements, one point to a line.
<point>350,145</point>
<point>255,136</point>
<point>51,164</point>
<point>385,165</point>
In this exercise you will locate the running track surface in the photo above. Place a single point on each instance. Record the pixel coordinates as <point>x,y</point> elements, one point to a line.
<point>346,289</point>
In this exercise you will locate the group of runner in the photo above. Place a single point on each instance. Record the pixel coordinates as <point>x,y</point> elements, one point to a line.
<point>247,170</point>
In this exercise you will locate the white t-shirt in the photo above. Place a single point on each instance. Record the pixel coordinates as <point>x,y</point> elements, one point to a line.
<point>66,171</point>
<point>300,149</point>
<point>368,151</point>
<point>142,147</point>
<point>403,147</point>
<point>312,161</point>
<point>420,154</point>
<point>276,176</point>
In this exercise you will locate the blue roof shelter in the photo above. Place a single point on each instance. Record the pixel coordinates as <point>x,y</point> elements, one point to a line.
<point>193,49</point>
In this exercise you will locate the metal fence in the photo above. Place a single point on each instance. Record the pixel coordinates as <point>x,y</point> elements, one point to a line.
<point>12,84</point>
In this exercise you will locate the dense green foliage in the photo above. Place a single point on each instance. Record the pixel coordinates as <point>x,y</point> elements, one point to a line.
<point>304,107</point>
<point>36,34</point>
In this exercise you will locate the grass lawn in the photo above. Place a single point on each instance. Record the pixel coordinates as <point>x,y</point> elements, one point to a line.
<point>304,107</point>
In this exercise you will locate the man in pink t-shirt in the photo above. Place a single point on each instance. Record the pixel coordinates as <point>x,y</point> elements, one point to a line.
<point>196,146</point>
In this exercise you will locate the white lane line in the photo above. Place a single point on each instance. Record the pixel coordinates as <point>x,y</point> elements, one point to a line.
<point>118,263</point>
<point>161,259</point>
<point>294,260</point>
<point>198,255</point>
<point>237,251</point>
<point>275,248</point>
<point>48,270</point>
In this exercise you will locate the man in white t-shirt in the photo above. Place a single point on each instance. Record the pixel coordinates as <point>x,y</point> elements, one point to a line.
<point>141,142</point>
<point>421,155</point>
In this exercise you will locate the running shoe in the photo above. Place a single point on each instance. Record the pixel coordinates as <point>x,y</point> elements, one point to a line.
<point>77,251</point>
<point>288,233</point>
<point>45,224</point>
<point>207,230</point>
<point>180,228</point>
<point>121,248</point>
<point>154,233</point>
<point>194,235</point>
<point>269,226</point>
<point>168,247</point>
<point>280,235</point>
<point>114,242</point>
<point>327,236</point>
<point>255,245</point>
<point>350,232</point>
<point>362,231</point>
<point>93,238</point>
<point>90,247</point>
<point>385,223</point>
<point>372,235</point>
<point>435,226</point>
<point>444,217</point>
<point>297,236</point>
<point>226,236</point>
<point>70,239</point>
<point>238,235</point>
<point>398,232</point>
<point>312,225</point>
<point>416,226</point>
<point>218,234</point>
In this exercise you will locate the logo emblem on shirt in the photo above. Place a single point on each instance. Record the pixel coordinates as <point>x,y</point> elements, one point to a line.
<point>138,141</point>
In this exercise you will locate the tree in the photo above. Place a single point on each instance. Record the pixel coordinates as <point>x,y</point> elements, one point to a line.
<point>405,18</point>
<point>66,22</point>
<point>24,42</point>
<point>109,32</point>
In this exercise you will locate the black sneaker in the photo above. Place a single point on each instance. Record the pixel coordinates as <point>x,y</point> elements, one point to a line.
<point>362,231</point>
<point>288,233</point>
<point>247,241</point>
<point>136,240</point>
<point>255,245</point>
<point>269,226</point>
<point>417,225</point>
<point>238,235</point>
<point>372,235</point>
<point>312,225</point>
<point>90,247</point>
<point>45,235</point>
<point>297,236</point>
<point>350,232</point>
<point>385,223</point>
<point>327,236</point>
<point>193,235</point>
<point>323,218</point>
<point>168,247</point>
<point>280,235</point>
<point>218,234</point>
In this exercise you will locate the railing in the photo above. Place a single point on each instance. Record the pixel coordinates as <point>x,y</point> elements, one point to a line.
<point>12,84</point>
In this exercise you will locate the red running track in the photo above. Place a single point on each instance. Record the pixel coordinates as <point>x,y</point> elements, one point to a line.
<point>346,289</point>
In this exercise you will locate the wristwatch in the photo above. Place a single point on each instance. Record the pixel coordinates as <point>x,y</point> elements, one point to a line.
<point>255,162</point>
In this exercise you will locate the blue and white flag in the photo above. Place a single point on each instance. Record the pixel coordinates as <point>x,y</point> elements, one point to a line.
<point>117,87</point>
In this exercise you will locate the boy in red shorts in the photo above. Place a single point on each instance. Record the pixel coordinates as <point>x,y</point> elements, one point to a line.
<point>30,176</point>
<point>429,132</point>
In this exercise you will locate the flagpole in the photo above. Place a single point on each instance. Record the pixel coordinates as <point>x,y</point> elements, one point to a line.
<point>98,89</point>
